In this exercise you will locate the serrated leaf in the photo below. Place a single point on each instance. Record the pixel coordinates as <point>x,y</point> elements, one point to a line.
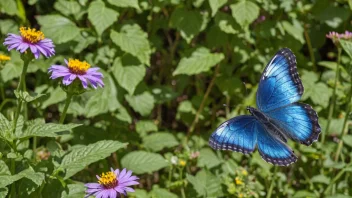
<point>101,16</point>
<point>207,158</point>
<point>189,23</point>
<point>215,5</point>
<point>58,28</point>
<point>4,169</point>
<point>125,3</point>
<point>25,96</point>
<point>143,162</point>
<point>245,12</point>
<point>200,61</point>
<point>123,115</point>
<point>158,141</point>
<point>5,127</point>
<point>36,128</point>
<point>128,73</point>
<point>81,157</point>
<point>206,184</point>
<point>67,7</point>
<point>74,190</point>
<point>132,39</point>
<point>29,173</point>
<point>142,103</point>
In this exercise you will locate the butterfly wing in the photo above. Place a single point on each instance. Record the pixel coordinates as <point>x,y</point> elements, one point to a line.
<point>298,121</point>
<point>237,134</point>
<point>243,133</point>
<point>279,84</point>
<point>273,149</point>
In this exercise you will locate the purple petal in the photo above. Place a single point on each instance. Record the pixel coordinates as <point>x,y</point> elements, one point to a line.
<point>128,189</point>
<point>112,193</point>
<point>84,81</point>
<point>122,174</point>
<point>93,185</point>
<point>66,80</point>
<point>129,183</point>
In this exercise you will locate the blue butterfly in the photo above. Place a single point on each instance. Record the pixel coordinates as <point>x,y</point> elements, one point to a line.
<point>279,116</point>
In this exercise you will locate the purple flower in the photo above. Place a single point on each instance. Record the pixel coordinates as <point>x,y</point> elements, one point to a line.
<point>77,69</point>
<point>32,39</point>
<point>112,184</point>
<point>334,36</point>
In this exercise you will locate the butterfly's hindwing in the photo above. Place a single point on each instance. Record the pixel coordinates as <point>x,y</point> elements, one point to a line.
<point>236,134</point>
<point>298,121</point>
<point>279,84</point>
<point>272,149</point>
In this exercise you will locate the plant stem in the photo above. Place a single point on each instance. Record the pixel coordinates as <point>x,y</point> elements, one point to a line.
<point>272,183</point>
<point>67,103</point>
<point>333,97</point>
<point>21,84</point>
<point>344,128</point>
<point>310,48</point>
<point>207,92</point>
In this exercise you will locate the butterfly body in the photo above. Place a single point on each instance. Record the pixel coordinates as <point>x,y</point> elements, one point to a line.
<point>278,116</point>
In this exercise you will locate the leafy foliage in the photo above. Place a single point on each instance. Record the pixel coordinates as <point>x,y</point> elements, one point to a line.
<point>173,71</point>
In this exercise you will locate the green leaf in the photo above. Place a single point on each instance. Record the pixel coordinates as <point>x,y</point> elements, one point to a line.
<point>128,73</point>
<point>206,184</point>
<point>296,30</point>
<point>81,157</point>
<point>5,127</point>
<point>347,47</point>
<point>8,7</point>
<point>245,12</point>
<point>142,103</point>
<point>314,90</point>
<point>157,141</point>
<point>29,173</point>
<point>57,95</point>
<point>25,96</point>
<point>30,183</point>
<point>303,194</point>
<point>7,26</point>
<point>200,61</point>
<point>161,193</point>
<point>74,190</point>
<point>4,170</point>
<point>101,16</point>
<point>347,139</point>
<point>58,28</point>
<point>207,158</point>
<point>67,7</point>
<point>143,162</point>
<point>320,179</point>
<point>37,128</point>
<point>125,3</point>
<point>132,39</point>
<point>102,100</point>
<point>189,23</point>
<point>123,115</point>
<point>13,68</point>
<point>139,193</point>
<point>145,126</point>
<point>215,5</point>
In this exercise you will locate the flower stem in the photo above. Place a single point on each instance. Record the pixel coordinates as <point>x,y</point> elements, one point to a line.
<point>272,183</point>
<point>333,97</point>
<point>344,128</point>
<point>67,103</point>
<point>21,85</point>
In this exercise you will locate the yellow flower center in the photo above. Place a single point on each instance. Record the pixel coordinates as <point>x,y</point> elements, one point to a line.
<point>182,162</point>
<point>4,58</point>
<point>78,67</point>
<point>238,181</point>
<point>31,35</point>
<point>108,180</point>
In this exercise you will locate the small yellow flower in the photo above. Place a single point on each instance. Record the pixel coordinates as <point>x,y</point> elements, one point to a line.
<point>244,172</point>
<point>238,181</point>
<point>78,67</point>
<point>240,195</point>
<point>4,58</point>
<point>182,162</point>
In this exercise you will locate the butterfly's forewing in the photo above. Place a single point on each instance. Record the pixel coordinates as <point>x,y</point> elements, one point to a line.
<point>237,134</point>
<point>298,121</point>
<point>279,84</point>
